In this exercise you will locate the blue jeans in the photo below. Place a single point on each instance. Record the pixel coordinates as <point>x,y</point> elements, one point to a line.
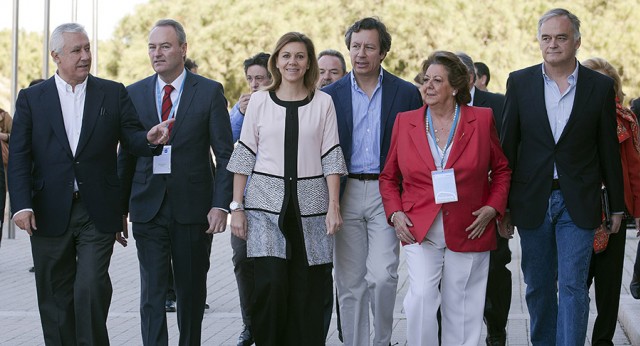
<point>559,252</point>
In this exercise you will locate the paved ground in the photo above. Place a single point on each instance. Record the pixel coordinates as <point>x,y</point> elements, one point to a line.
<point>20,325</point>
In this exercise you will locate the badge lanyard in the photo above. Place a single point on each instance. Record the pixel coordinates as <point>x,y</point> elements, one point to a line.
<point>449,140</point>
<point>172,113</point>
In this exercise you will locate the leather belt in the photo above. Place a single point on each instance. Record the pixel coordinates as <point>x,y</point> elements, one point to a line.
<point>76,195</point>
<point>555,184</point>
<point>364,176</point>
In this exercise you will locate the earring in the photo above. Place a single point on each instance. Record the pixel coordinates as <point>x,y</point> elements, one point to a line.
<point>454,93</point>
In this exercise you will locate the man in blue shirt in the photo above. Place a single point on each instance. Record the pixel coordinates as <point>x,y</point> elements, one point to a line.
<point>367,101</point>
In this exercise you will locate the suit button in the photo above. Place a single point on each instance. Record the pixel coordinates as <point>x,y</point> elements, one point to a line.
<point>77,162</point>
<point>446,213</point>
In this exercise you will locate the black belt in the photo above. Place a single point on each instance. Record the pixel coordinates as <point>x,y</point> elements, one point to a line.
<point>555,184</point>
<point>76,195</point>
<point>364,176</point>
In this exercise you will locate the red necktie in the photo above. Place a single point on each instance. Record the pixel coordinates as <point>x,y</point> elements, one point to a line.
<point>166,102</point>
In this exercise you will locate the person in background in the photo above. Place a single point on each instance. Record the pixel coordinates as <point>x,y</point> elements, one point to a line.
<point>178,201</point>
<point>606,266</point>
<point>191,65</point>
<point>559,134</point>
<point>498,297</point>
<point>289,146</point>
<point>332,67</point>
<point>483,76</point>
<point>64,186</point>
<point>257,76</point>
<point>366,252</point>
<point>446,240</point>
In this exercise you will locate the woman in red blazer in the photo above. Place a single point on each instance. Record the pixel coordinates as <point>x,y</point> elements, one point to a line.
<point>447,233</point>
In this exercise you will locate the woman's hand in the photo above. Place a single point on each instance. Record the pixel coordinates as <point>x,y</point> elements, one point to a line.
<point>333,220</point>
<point>505,228</point>
<point>239,224</point>
<point>401,223</point>
<point>637,226</point>
<point>483,216</point>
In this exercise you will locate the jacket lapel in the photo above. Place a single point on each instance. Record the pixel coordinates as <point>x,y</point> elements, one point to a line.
<point>583,90</point>
<point>389,90</point>
<point>49,94</point>
<point>92,110</point>
<point>418,135</point>
<point>185,101</point>
<point>465,129</point>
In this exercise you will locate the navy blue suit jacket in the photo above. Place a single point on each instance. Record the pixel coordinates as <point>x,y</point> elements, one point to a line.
<point>195,184</point>
<point>493,101</point>
<point>587,153</point>
<point>397,96</point>
<point>42,168</point>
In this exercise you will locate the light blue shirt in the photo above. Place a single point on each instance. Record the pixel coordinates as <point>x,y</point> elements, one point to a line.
<point>365,153</point>
<point>559,105</point>
<point>237,119</point>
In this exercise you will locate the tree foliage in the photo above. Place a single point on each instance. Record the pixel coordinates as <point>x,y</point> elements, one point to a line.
<point>501,33</point>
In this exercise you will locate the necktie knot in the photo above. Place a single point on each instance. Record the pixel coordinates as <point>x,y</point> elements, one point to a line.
<point>168,89</point>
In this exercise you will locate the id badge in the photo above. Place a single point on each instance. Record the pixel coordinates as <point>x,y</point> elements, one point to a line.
<point>444,186</point>
<point>162,162</point>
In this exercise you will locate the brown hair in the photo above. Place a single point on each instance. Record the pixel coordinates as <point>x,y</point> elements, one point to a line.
<point>6,122</point>
<point>457,71</point>
<point>312,74</point>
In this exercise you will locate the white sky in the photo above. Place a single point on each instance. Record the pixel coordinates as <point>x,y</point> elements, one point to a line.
<point>31,14</point>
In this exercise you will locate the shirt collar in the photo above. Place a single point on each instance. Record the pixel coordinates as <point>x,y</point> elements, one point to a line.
<point>63,85</point>
<point>354,83</point>
<point>177,83</point>
<point>572,78</point>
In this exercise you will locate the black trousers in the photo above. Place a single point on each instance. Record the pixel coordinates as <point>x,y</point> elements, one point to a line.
<point>243,270</point>
<point>72,281</point>
<point>189,247</point>
<point>606,271</point>
<point>288,301</point>
<point>498,299</point>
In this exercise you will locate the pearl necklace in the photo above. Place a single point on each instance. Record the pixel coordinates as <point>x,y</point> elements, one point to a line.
<point>442,129</point>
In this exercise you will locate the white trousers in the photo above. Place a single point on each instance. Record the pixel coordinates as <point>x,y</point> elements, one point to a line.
<point>454,281</point>
<point>365,265</point>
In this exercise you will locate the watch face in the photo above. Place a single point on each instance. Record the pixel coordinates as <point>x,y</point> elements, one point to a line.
<point>235,206</point>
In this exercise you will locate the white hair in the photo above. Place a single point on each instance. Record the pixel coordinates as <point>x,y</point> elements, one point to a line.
<point>56,42</point>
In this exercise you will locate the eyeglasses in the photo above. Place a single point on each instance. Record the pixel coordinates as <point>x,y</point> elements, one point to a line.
<point>258,79</point>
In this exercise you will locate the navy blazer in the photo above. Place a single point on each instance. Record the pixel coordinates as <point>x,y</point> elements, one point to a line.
<point>586,155</point>
<point>397,96</point>
<point>195,184</point>
<point>493,101</point>
<point>42,168</point>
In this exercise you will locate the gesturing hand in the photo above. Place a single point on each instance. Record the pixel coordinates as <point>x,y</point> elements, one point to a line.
<point>159,134</point>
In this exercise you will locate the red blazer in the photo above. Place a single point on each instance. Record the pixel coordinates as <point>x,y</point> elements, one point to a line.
<point>630,168</point>
<point>476,157</point>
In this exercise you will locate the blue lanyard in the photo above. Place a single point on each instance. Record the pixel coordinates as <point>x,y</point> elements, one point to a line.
<point>172,113</point>
<point>449,140</point>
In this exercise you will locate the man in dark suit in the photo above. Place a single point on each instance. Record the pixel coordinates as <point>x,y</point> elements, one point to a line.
<point>559,134</point>
<point>176,202</point>
<point>498,297</point>
<point>366,251</point>
<point>64,186</point>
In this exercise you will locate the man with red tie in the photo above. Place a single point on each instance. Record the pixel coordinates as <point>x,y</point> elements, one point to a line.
<point>174,201</point>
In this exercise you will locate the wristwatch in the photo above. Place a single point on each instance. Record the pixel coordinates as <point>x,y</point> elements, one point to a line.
<point>235,206</point>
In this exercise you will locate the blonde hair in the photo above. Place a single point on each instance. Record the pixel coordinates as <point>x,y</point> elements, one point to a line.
<point>604,67</point>
<point>6,122</point>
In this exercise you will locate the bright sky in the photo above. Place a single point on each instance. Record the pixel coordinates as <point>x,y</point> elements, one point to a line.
<point>31,14</point>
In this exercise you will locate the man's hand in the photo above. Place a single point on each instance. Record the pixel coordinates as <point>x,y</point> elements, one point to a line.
<point>121,237</point>
<point>26,220</point>
<point>616,221</point>
<point>217,221</point>
<point>243,102</point>
<point>159,134</point>
<point>505,228</point>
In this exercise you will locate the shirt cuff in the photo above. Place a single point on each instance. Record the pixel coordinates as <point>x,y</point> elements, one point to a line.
<point>20,211</point>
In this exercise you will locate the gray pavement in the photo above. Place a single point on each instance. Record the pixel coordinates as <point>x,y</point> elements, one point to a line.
<point>20,324</point>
